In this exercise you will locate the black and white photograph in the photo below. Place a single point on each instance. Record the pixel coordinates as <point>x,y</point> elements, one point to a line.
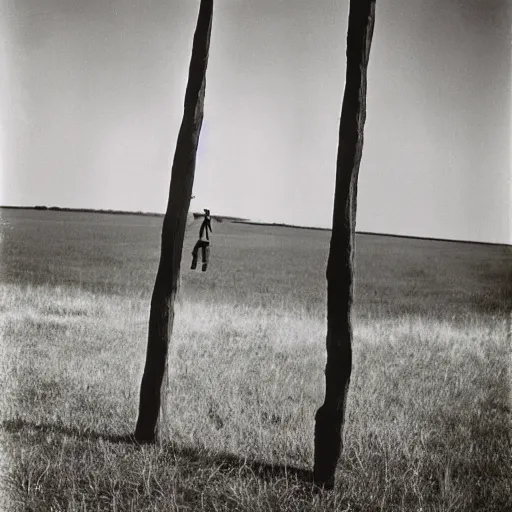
<point>255,255</point>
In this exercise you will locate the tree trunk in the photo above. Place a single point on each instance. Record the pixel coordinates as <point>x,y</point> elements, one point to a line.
<point>330,416</point>
<point>161,315</point>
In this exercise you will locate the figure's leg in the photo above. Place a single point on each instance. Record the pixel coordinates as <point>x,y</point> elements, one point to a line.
<point>194,255</point>
<point>206,252</point>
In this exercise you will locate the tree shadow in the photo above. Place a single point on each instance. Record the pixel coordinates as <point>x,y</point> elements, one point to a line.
<point>225,462</point>
<point>17,425</point>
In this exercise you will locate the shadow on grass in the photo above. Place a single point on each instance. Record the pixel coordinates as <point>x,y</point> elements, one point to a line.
<point>225,462</point>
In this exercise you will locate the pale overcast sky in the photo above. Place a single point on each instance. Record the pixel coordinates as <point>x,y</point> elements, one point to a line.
<point>92,94</point>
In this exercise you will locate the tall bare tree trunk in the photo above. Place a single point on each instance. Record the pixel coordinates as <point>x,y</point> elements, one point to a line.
<point>340,267</point>
<point>161,316</point>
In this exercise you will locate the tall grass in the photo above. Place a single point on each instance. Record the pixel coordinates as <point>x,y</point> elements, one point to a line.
<point>428,423</point>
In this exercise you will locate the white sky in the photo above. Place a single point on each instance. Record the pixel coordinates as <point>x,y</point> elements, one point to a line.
<point>92,94</point>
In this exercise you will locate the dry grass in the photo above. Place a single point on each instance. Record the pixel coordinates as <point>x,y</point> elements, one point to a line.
<point>428,417</point>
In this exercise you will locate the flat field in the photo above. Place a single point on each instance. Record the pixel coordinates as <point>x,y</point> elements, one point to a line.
<point>429,415</point>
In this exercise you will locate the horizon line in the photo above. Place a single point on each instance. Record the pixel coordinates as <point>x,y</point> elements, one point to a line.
<point>240,220</point>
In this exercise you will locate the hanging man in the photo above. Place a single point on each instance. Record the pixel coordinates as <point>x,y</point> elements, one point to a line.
<point>203,243</point>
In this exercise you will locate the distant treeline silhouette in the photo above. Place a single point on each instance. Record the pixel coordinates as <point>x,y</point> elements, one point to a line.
<point>82,210</point>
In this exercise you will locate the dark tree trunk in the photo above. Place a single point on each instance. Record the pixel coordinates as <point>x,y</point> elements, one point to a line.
<point>161,315</point>
<point>340,266</point>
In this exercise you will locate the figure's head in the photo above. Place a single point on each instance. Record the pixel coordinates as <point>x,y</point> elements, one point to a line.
<point>206,211</point>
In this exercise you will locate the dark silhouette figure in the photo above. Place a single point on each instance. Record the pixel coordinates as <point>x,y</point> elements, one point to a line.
<point>203,243</point>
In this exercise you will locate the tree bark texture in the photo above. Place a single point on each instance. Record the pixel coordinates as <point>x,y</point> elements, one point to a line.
<point>161,316</point>
<point>330,416</point>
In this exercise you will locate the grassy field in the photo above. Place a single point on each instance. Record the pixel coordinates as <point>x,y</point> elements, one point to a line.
<point>429,413</point>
